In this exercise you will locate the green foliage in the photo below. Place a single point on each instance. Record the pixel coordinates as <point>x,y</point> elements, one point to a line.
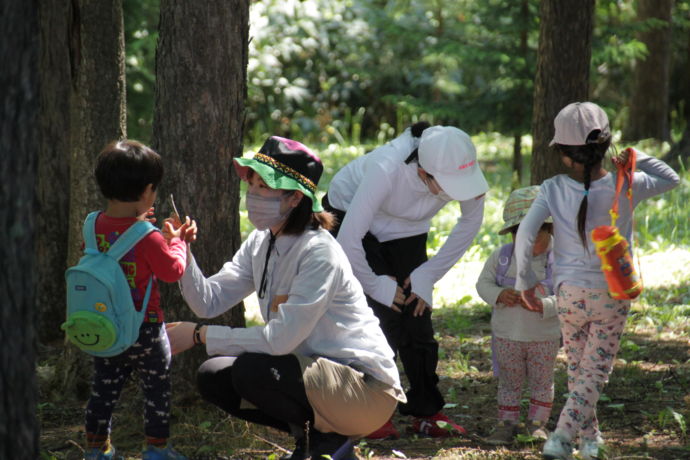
<point>141,37</point>
<point>334,71</point>
<point>669,415</point>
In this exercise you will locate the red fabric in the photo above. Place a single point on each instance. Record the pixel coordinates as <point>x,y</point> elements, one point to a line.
<point>152,255</point>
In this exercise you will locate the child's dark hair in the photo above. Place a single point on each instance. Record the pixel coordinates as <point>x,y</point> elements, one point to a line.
<point>124,169</point>
<point>590,156</point>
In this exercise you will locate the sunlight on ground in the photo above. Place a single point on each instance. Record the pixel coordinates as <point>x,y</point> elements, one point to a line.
<point>665,268</point>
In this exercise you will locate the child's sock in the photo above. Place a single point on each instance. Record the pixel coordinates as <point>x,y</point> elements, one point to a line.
<point>539,410</point>
<point>98,441</point>
<point>157,442</point>
<point>509,413</point>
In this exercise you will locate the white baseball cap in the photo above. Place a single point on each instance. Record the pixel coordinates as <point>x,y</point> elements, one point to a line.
<point>447,153</point>
<point>576,121</point>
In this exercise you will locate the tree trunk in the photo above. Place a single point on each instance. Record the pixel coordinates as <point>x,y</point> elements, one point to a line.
<point>649,112</point>
<point>201,64</point>
<point>563,60</point>
<point>680,152</point>
<point>517,161</point>
<point>52,216</point>
<point>19,54</point>
<point>97,107</point>
<point>521,109</point>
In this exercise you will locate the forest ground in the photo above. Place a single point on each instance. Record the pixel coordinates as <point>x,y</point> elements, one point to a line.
<point>643,411</point>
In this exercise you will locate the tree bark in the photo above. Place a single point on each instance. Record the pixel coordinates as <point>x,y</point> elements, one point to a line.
<point>52,216</point>
<point>680,152</point>
<point>563,60</point>
<point>649,105</point>
<point>201,64</point>
<point>97,117</point>
<point>19,54</point>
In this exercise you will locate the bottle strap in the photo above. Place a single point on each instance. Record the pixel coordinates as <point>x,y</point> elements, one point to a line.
<point>627,171</point>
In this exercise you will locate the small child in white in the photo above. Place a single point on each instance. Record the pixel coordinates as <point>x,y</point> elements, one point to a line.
<point>524,342</point>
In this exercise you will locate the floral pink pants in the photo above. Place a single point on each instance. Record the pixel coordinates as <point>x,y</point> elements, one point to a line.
<point>591,324</point>
<point>517,361</point>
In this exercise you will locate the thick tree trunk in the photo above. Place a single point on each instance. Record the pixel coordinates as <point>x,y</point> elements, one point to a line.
<point>649,113</point>
<point>19,103</point>
<point>680,152</point>
<point>53,168</point>
<point>563,59</point>
<point>201,66</point>
<point>97,107</point>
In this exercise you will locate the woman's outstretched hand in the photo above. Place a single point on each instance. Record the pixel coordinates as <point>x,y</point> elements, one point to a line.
<point>181,336</point>
<point>173,228</point>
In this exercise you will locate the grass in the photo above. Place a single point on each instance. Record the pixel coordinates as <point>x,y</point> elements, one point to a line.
<point>643,413</point>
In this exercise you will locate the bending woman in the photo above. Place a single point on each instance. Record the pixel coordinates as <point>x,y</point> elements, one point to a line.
<point>386,200</point>
<point>320,368</point>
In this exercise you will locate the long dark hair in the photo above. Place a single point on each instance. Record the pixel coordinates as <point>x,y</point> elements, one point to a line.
<point>590,156</point>
<point>416,130</point>
<point>302,218</point>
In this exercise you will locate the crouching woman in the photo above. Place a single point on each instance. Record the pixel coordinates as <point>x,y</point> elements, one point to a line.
<point>320,367</point>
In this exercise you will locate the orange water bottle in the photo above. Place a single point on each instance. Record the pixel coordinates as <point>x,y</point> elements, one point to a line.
<point>616,263</point>
<point>613,249</point>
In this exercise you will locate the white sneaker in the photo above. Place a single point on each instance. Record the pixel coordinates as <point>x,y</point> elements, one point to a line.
<point>590,449</point>
<point>557,447</point>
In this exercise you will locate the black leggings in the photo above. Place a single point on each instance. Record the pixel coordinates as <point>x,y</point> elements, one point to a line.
<point>273,384</point>
<point>410,337</point>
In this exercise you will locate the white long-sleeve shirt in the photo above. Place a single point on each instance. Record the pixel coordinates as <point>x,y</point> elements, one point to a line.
<point>313,304</point>
<point>383,195</point>
<point>514,322</point>
<point>560,198</point>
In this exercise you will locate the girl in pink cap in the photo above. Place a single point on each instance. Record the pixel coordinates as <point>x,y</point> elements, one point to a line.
<point>591,320</point>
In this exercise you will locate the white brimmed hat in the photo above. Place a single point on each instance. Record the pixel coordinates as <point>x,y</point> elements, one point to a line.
<point>576,121</point>
<point>516,207</point>
<point>447,153</point>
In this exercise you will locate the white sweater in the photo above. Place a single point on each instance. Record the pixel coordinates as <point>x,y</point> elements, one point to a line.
<point>383,195</point>
<point>560,198</point>
<point>517,323</point>
<point>321,309</point>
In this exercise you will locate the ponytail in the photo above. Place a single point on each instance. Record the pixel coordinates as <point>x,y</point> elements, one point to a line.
<point>590,156</point>
<point>417,129</point>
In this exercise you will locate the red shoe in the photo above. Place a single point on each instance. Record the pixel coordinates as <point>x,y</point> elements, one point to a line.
<point>430,426</point>
<point>387,431</point>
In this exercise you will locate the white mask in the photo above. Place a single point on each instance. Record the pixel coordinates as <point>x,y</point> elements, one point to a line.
<point>264,212</point>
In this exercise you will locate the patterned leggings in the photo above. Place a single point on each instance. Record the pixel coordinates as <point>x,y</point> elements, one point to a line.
<point>591,324</point>
<point>517,361</point>
<point>150,357</point>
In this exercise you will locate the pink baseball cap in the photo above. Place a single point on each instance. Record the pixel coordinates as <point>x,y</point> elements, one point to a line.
<point>448,154</point>
<point>576,121</point>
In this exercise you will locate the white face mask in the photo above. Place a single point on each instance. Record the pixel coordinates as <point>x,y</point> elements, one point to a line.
<point>264,212</point>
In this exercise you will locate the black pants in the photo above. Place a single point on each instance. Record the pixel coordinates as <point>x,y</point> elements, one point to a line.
<point>150,358</point>
<point>410,337</point>
<point>271,383</point>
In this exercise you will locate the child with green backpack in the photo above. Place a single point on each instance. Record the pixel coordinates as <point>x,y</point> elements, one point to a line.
<point>128,174</point>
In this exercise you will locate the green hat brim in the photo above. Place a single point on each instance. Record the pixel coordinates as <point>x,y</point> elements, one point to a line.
<point>275,179</point>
